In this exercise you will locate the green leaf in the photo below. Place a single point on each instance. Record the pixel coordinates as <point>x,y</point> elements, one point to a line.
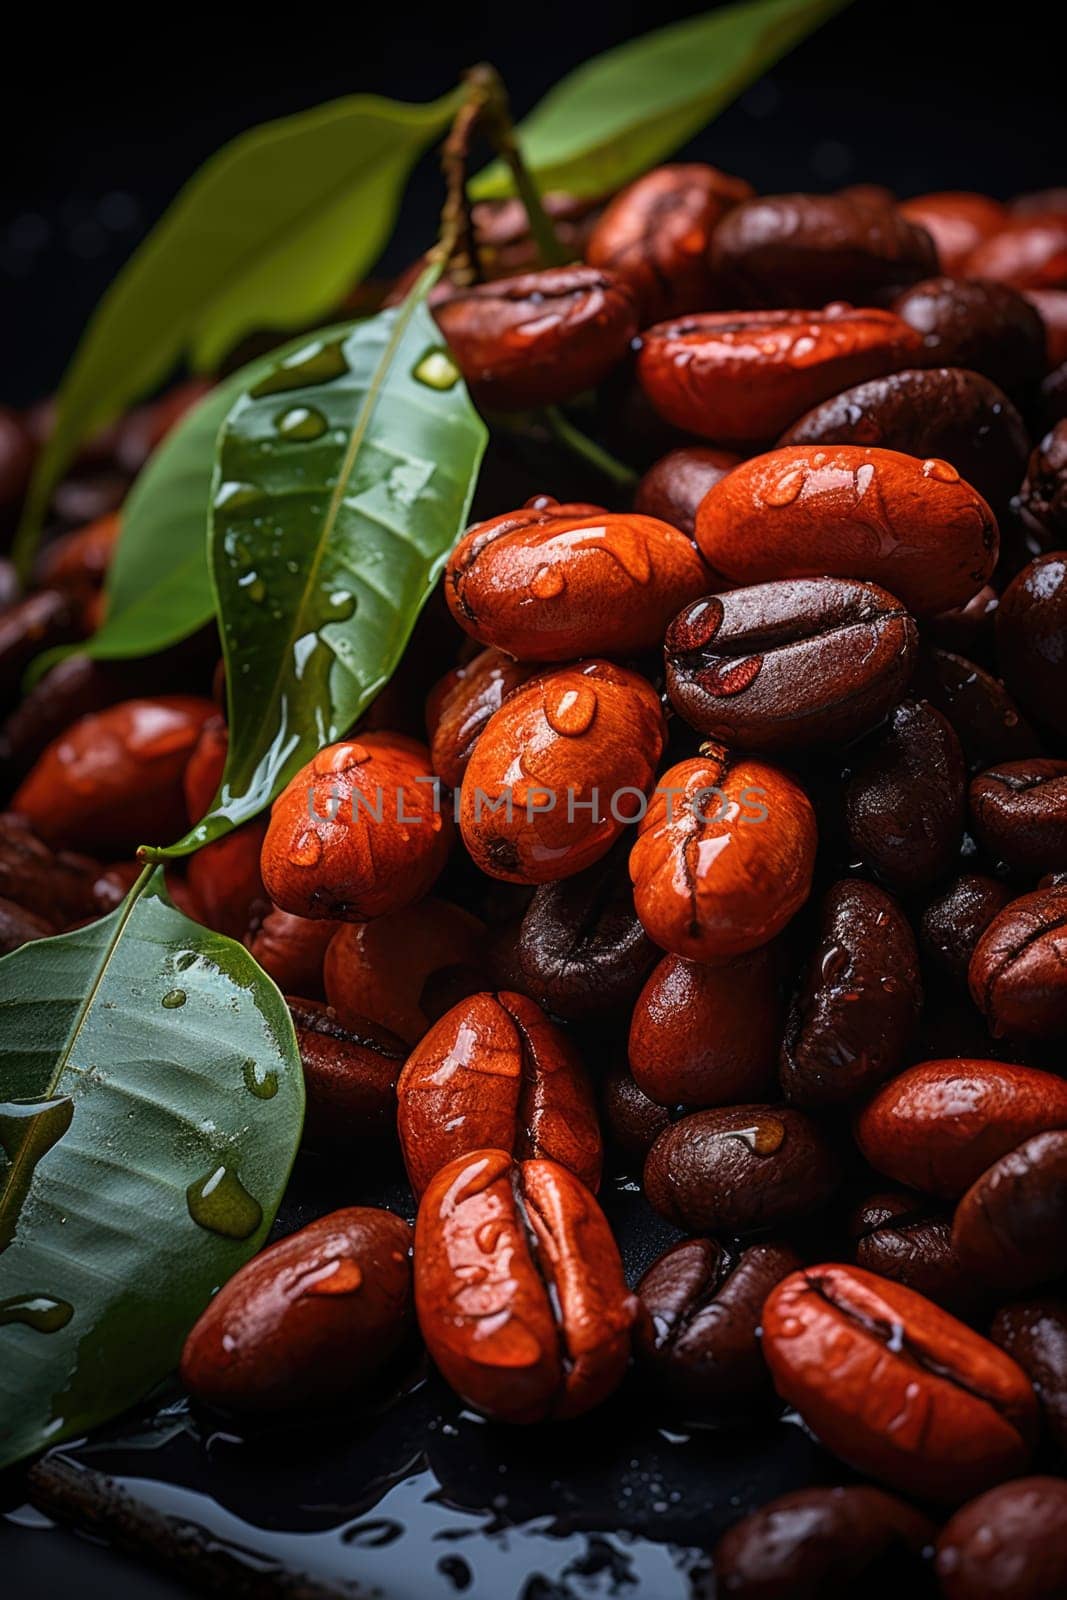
<point>159,587</point>
<point>143,1057</point>
<point>269,234</point>
<point>625,110</point>
<point>343,482</point>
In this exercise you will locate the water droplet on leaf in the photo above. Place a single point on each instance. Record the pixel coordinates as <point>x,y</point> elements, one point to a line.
<point>220,1203</point>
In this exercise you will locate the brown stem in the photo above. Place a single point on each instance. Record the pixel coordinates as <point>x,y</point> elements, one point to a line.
<point>457,244</point>
<point>96,1505</point>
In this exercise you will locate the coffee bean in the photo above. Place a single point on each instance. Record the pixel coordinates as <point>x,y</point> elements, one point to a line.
<point>1019,814</point>
<point>905,803</point>
<point>1018,973</point>
<point>1034,1333</point>
<point>956,919</point>
<point>1009,1544</point>
<point>1010,1228</point>
<point>903,1236</point>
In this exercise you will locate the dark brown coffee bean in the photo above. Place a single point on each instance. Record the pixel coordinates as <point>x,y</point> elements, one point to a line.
<point>857,1007</point>
<point>55,885</point>
<point>1032,639</point>
<point>18,927</point>
<point>1010,1228</point>
<point>1018,973</point>
<point>1019,814</point>
<point>73,688</point>
<point>905,805</point>
<point>673,488</point>
<point>941,412</point>
<point>633,1121</point>
<point>1009,1544</point>
<point>739,1168</point>
<point>906,1237</point>
<point>43,619</point>
<point>1053,405</point>
<point>1034,1333</point>
<point>989,724</point>
<point>984,327</point>
<point>17,451</point>
<point>350,1074</point>
<point>697,1336</point>
<point>581,949</point>
<point>787,665</point>
<point>1043,496</point>
<point>968,630</point>
<point>807,249</point>
<point>956,919</point>
<point>823,1544</point>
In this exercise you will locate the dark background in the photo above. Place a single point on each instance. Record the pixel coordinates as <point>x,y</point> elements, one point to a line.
<point>104,120</point>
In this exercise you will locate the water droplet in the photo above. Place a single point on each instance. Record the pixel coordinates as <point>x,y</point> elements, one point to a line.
<point>941,471</point>
<point>28,1130</point>
<point>342,1275</point>
<point>547,582</point>
<point>725,677</point>
<point>307,851</point>
<point>340,757</point>
<point>763,1137</point>
<point>315,363</point>
<point>302,423</point>
<point>263,1085</point>
<point>342,605</point>
<point>37,1311</point>
<point>234,496</point>
<point>695,628</point>
<point>783,491</point>
<point>570,712</point>
<point>254,587</point>
<point>436,370</point>
<point>173,999</point>
<point>220,1203</point>
<point>184,960</point>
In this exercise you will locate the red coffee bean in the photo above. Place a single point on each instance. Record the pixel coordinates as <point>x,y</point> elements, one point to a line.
<point>913,527</point>
<point>1018,972</point>
<point>896,1386</point>
<point>956,222</point>
<point>1019,814</point>
<point>939,1125</point>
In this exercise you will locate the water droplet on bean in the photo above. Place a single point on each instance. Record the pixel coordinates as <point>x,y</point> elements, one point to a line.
<point>570,712</point>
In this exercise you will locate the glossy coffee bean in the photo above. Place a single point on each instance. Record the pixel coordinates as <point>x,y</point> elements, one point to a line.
<point>1010,1228</point>
<point>404,970</point>
<point>820,1544</point>
<point>581,948</point>
<point>941,412</point>
<point>113,781</point>
<point>739,1169</point>
<point>558,772</point>
<point>291,950</point>
<point>502,231</point>
<point>708,1036</point>
<point>896,1386</point>
<point>807,249</point>
<point>1034,1333</point>
<point>903,1236</point>
<point>1043,496</point>
<point>310,1321</point>
<point>356,834</point>
<point>1009,1544</point>
<point>905,802</point>
<point>18,926</point>
<point>983,327</point>
<point>858,1004</point>
<point>1030,253</point>
<point>956,919</point>
<point>1019,814</point>
<point>548,586</point>
<point>939,1125</point>
<point>655,235</point>
<point>724,856</point>
<point>350,1075</point>
<point>461,705</point>
<point>740,378</point>
<point>956,221</point>
<point>539,338</point>
<point>673,488</point>
<point>495,1073</point>
<point>42,620</point>
<point>1018,973</point>
<point>225,879</point>
<point>988,723</point>
<point>912,526</point>
<point>1032,639</point>
<point>519,1288</point>
<point>697,1338</point>
<point>632,1121</point>
<point>808,661</point>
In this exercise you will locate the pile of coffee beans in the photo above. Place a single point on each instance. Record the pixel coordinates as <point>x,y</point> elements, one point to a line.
<point>717,840</point>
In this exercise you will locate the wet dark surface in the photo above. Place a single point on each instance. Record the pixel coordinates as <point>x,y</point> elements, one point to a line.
<point>419,1498</point>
